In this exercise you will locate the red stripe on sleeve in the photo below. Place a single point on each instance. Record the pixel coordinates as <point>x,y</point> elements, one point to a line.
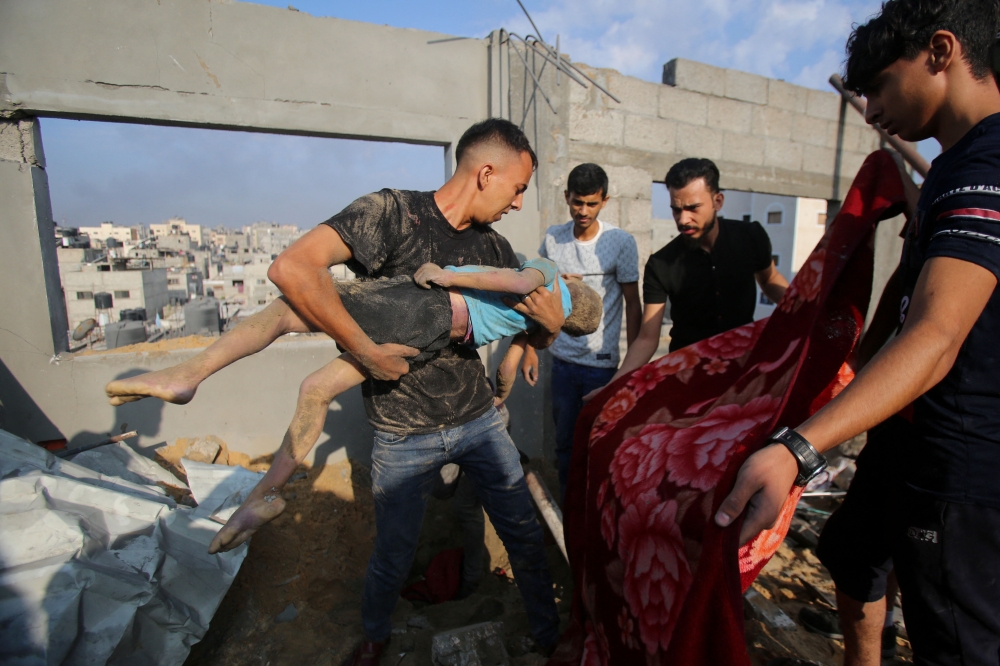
<point>971,212</point>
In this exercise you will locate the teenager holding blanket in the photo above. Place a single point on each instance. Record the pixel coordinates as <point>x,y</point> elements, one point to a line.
<point>925,69</point>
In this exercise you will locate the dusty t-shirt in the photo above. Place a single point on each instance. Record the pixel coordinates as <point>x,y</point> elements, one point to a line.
<point>391,233</point>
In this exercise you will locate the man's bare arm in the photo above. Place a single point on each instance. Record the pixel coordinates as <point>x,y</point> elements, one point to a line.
<point>633,311</point>
<point>507,370</point>
<point>645,345</point>
<point>302,274</point>
<point>505,280</point>
<point>771,282</point>
<point>948,299</point>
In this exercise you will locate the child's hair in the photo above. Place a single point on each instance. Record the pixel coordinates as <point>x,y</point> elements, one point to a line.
<point>587,179</point>
<point>587,310</point>
<point>904,27</point>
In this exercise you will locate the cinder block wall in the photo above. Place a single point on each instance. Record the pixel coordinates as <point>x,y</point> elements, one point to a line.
<point>765,135</point>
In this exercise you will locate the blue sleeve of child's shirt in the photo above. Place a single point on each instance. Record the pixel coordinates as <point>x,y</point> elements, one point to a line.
<point>472,268</point>
<point>547,267</point>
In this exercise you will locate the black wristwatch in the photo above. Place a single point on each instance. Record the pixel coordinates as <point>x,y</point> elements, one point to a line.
<point>811,463</point>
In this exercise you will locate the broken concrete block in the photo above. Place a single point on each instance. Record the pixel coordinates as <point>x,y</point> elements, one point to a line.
<point>766,611</point>
<point>288,615</point>
<point>475,645</point>
<point>202,450</point>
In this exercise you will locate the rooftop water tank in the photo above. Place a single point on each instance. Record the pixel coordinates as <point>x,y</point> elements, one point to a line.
<point>103,301</point>
<point>123,333</point>
<point>133,314</point>
<point>201,317</point>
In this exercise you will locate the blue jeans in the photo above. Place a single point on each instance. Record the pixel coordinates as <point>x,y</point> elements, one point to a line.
<point>570,382</point>
<point>404,471</point>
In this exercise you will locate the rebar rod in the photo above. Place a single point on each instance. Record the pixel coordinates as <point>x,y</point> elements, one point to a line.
<point>909,154</point>
<point>537,82</point>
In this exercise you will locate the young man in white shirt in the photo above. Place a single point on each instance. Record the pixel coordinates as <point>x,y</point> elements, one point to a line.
<point>607,260</point>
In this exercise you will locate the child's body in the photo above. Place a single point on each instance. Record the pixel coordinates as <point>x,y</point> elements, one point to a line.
<point>396,311</point>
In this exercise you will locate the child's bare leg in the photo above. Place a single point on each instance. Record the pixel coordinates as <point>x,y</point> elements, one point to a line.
<point>179,383</point>
<point>264,503</point>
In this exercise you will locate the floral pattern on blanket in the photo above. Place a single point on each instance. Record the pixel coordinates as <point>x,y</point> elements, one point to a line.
<point>657,580</point>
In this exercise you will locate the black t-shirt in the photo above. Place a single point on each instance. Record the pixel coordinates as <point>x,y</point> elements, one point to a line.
<point>956,455</point>
<point>709,292</point>
<point>392,233</point>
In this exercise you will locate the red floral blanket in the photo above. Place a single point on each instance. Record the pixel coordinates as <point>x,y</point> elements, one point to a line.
<point>656,581</point>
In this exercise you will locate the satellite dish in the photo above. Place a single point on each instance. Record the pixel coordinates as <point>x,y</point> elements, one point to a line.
<point>84,329</point>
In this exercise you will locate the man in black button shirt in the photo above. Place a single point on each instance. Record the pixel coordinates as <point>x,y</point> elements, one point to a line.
<point>707,272</point>
<point>440,411</point>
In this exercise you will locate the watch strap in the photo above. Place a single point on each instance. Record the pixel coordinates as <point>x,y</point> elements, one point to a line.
<point>809,459</point>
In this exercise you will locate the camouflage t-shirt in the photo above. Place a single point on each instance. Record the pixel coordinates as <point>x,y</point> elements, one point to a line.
<point>391,233</point>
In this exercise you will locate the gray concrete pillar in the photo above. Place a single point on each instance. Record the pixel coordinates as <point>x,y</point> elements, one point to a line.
<point>32,306</point>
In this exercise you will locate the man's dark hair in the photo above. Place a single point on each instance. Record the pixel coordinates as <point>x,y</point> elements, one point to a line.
<point>904,27</point>
<point>587,179</point>
<point>693,168</point>
<point>499,132</point>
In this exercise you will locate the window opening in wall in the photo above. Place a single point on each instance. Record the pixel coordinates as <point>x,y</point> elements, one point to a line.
<point>821,219</point>
<point>746,217</point>
<point>213,203</point>
<point>776,258</point>
<point>774,217</point>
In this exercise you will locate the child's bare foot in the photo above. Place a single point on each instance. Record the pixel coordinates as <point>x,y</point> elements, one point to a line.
<point>170,385</point>
<point>257,511</point>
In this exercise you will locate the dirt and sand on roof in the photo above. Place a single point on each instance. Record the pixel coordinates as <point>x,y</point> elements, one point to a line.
<point>297,597</point>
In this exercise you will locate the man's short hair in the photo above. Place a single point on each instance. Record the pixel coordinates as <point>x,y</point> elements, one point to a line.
<point>693,168</point>
<point>498,132</point>
<point>904,27</point>
<point>586,179</point>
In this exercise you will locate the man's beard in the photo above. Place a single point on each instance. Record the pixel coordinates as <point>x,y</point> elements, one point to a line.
<point>707,229</point>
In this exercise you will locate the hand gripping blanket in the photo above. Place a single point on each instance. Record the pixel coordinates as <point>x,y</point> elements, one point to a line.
<point>656,581</point>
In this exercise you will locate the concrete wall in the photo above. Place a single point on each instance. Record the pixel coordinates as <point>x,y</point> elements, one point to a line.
<point>765,135</point>
<point>248,67</point>
<point>238,65</point>
<point>32,309</point>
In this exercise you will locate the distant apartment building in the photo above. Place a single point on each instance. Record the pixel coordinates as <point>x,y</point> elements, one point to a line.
<point>130,289</point>
<point>271,238</point>
<point>184,283</point>
<point>228,240</point>
<point>72,260</point>
<point>244,285</point>
<point>150,256</point>
<point>178,226</point>
<point>124,235</point>
<point>71,237</point>
<point>176,242</point>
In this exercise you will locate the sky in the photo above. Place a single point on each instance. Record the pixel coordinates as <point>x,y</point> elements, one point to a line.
<point>140,174</point>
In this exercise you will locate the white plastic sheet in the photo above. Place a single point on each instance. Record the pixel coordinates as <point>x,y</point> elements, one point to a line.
<point>97,569</point>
